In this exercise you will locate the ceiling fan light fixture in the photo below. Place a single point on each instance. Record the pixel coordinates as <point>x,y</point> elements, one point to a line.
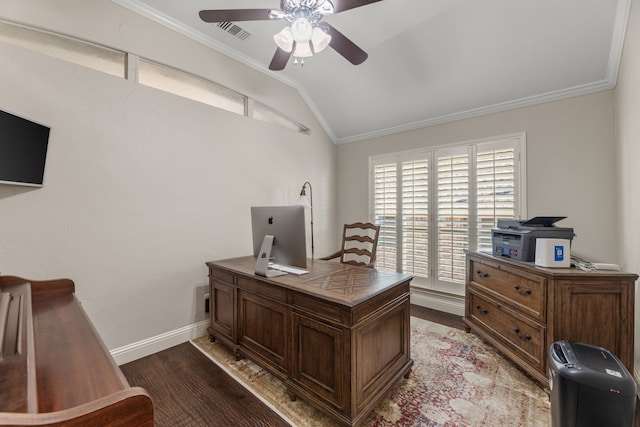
<point>319,40</point>
<point>302,50</point>
<point>284,39</point>
<point>302,30</point>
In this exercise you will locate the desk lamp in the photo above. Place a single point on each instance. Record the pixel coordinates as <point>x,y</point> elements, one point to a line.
<point>303,201</point>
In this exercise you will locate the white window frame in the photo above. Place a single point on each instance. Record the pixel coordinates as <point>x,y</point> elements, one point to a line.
<point>516,140</point>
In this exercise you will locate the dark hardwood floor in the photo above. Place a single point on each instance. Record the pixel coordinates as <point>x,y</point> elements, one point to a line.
<point>188,389</point>
<point>448,319</point>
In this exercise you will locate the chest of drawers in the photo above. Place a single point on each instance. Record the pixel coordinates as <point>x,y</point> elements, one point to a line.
<point>522,309</point>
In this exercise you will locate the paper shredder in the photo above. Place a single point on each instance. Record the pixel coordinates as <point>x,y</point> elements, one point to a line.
<point>589,387</point>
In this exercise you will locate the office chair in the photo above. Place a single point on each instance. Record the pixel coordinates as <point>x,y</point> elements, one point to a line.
<point>359,244</point>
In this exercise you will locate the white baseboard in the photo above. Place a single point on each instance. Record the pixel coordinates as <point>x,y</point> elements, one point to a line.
<point>128,353</point>
<point>146,347</point>
<point>453,304</point>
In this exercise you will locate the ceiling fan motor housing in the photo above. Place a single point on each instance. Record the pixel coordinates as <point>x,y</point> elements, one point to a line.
<point>312,10</point>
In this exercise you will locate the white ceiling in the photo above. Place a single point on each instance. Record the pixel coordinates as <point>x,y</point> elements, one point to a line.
<point>430,61</point>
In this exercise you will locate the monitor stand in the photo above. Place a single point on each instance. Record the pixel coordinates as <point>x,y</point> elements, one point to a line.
<point>262,263</point>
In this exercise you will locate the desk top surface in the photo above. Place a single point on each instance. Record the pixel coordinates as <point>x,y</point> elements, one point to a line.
<point>341,283</point>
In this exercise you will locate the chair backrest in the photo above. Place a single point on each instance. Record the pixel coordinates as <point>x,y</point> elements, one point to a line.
<point>359,243</point>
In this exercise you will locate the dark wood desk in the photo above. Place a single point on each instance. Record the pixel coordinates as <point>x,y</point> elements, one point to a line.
<point>337,337</point>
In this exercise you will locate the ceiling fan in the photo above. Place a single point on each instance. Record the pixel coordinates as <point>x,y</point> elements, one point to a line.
<point>306,35</point>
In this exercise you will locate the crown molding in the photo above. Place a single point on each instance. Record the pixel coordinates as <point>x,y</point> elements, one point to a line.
<point>617,40</point>
<point>482,111</point>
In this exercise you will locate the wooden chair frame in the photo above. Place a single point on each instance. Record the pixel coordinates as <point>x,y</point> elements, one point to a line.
<point>350,235</point>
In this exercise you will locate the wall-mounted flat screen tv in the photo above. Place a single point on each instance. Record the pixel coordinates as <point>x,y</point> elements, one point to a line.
<point>23,150</point>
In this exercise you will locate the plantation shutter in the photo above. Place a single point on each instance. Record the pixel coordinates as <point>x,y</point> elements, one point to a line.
<point>452,213</point>
<point>495,189</point>
<point>385,214</point>
<point>415,217</point>
<point>432,204</point>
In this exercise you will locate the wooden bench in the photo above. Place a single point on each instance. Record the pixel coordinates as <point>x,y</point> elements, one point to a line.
<point>54,368</point>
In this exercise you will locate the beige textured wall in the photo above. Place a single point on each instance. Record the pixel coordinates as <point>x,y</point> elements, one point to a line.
<point>143,187</point>
<point>628,155</point>
<point>570,165</point>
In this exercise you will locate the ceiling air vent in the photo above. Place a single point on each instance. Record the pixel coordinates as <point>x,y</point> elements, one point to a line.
<point>234,30</point>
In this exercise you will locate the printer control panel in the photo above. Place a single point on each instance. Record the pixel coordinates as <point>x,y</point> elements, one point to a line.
<point>507,252</point>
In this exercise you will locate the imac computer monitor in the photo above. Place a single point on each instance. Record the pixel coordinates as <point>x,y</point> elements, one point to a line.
<point>286,224</point>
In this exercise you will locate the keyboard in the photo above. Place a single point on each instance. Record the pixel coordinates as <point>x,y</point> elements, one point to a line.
<point>286,268</point>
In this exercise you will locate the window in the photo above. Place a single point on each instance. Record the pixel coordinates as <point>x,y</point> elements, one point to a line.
<point>433,204</point>
<point>269,115</point>
<point>385,211</point>
<point>79,52</point>
<point>144,71</point>
<point>452,212</point>
<point>189,86</point>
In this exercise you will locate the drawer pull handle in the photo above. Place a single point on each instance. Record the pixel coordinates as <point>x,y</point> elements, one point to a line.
<point>526,337</point>
<point>525,292</point>
<point>481,310</point>
<point>482,274</point>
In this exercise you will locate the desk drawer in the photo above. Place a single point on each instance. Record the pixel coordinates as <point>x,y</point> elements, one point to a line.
<point>263,289</point>
<point>524,336</point>
<point>524,291</point>
<point>222,275</point>
<point>321,309</point>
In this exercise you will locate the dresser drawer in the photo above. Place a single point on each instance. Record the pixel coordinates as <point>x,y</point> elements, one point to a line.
<point>524,291</point>
<point>523,336</point>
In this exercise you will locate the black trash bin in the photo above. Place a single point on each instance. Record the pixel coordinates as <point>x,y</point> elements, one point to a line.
<point>590,387</point>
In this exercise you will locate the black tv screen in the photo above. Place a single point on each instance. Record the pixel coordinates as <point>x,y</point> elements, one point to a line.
<point>23,150</point>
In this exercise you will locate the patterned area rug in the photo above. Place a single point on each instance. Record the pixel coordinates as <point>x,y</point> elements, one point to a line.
<point>457,380</point>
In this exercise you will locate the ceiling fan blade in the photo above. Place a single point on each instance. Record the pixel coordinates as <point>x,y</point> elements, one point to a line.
<point>280,59</point>
<point>342,5</point>
<point>345,47</point>
<point>232,15</point>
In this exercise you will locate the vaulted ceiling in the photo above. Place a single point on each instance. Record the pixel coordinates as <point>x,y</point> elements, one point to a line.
<point>430,61</point>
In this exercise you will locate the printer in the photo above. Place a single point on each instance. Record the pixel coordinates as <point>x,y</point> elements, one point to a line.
<point>516,239</point>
